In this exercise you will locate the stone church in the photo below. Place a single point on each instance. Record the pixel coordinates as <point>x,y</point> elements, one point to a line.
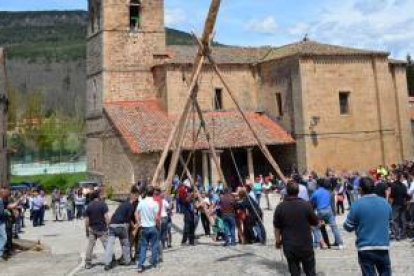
<point>314,105</point>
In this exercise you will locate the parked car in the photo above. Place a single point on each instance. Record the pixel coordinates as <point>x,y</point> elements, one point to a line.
<point>89,184</point>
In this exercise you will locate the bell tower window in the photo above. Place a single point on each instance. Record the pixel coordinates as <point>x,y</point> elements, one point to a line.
<point>135,15</point>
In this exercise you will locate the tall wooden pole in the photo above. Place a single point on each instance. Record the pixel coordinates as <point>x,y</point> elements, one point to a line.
<point>211,147</point>
<point>262,146</point>
<point>198,63</point>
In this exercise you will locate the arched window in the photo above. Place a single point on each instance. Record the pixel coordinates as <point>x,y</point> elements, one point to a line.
<point>135,14</point>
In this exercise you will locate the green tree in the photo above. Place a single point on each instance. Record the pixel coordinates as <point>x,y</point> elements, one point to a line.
<point>32,120</point>
<point>13,108</point>
<point>47,131</point>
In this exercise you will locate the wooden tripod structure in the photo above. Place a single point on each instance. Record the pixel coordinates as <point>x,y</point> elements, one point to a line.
<point>177,135</point>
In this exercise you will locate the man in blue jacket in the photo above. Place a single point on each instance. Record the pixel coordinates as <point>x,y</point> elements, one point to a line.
<point>321,200</point>
<point>369,218</point>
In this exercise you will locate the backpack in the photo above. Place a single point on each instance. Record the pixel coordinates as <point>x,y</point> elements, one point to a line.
<point>182,194</point>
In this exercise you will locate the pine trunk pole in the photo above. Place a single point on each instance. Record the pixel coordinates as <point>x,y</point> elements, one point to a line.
<point>178,125</point>
<point>262,146</point>
<point>199,61</point>
<point>211,148</point>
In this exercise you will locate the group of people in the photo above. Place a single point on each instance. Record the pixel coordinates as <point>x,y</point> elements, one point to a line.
<point>69,206</point>
<point>13,208</point>
<point>141,221</point>
<point>17,206</point>
<point>379,204</point>
<point>144,220</point>
<point>221,212</point>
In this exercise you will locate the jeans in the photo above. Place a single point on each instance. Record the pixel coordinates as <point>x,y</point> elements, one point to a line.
<point>328,217</point>
<point>189,231</point>
<point>93,237</point>
<point>206,224</point>
<point>79,211</point>
<point>258,197</point>
<point>178,205</point>
<point>398,221</point>
<point>169,234</point>
<point>118,232</point>
<point>267,197</point>
<point>411,212</point>
<point>375,262</point>
<point>36,217</point>
<point>163,231</point>
<point>42,215</point>
<point>69,214</point>
<point>149,235</point>
<point>230,223</point>
<point>295,258</point>
<point>3,238</point>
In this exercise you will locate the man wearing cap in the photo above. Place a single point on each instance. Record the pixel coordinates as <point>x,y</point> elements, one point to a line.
<point>96,225</point>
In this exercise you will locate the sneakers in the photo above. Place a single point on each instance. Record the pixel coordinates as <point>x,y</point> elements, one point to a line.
<point>88,266</point>
<point>107,267</point>
<point>140,270</point>
<point>341,247</point>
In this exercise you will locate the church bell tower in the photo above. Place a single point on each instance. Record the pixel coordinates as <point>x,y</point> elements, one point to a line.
<point>125,39</point>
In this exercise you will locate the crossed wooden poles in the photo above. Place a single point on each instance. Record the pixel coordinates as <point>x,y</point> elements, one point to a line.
<point>177,135</point>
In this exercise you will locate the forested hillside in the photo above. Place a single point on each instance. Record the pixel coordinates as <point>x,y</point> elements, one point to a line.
<point>46,54</point>
<point>46,66</point>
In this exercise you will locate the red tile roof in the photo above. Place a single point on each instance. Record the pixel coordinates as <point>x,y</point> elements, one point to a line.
<point>146,127</point>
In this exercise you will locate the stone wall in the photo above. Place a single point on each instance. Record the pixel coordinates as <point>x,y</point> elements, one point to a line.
<point>239,77</point>
<point>278,77</point>
<point>119,170</point>
<point>145,165</point>
<point>399,77</point>
<point>362,139</point>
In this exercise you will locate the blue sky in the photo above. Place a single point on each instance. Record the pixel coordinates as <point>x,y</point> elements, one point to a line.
<point>375,24</point>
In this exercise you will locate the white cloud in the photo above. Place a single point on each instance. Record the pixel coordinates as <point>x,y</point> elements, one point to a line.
<point>175,17</point>
<point>375,24</point>
<point>266,25</point>
<point>300,28</point>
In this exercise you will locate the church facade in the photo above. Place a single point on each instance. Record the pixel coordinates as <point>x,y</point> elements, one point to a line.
<point>314,105</point>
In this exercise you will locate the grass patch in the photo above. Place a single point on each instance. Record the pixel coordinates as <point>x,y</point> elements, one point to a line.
<point>50,182</point>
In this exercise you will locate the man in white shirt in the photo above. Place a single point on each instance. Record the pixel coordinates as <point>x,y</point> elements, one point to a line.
<point>147,217</point>
<point>303,192</point>
<point>37,205</point>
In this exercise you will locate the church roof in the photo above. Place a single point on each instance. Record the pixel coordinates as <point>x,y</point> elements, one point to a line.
<point>240,55</point>
<point>312,48</point>
<point>145,127</point>
<point>224,55</point>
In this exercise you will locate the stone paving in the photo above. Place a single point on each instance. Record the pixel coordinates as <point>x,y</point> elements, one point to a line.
<point>67,245</point>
